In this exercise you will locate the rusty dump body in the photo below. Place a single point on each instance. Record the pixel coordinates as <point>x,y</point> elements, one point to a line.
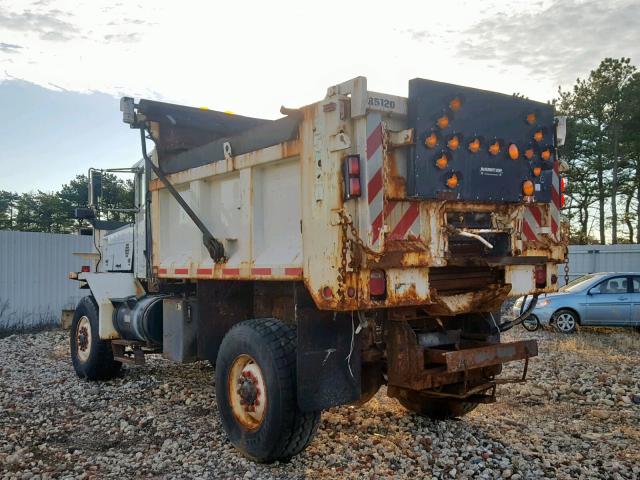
<point>390,229</point>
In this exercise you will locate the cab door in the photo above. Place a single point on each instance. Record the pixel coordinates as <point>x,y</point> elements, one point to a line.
<point>635,301</point>
<point>609,302</point>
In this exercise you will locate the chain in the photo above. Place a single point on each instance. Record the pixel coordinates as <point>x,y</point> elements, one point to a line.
<point>348,246</point>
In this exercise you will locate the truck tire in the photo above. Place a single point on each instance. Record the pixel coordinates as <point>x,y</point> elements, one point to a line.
<point>92,358</point>
<point>256,392</point>
<point>436,408</point>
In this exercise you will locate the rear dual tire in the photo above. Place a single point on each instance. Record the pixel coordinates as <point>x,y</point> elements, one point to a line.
<point>256,391</point>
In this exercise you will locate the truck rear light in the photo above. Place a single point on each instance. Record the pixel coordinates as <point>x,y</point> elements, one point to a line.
<point>514,153</point>
<point>377,283</point>
<point>452,181</point>
<point>351,172</point>
<point>528,188</point>
<point>541,276</point>
<point>442,161</point>
<point>431,141</point>
<point>531,118</point>
<point>528,153</point>
<point>563,184</point>
<point>537,171</point>
<point>546,154</point>
<point>327,293</point>
<point>455,104</point>
<point>494,148</point>
<point>453,143</point>
<point>85,268</point>
<point>474,145</point>
<point>443,122</point>
<point>537,136</point>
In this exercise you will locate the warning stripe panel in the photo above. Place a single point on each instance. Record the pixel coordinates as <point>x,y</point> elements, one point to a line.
<point>409,217</point>
<point>374,141</point>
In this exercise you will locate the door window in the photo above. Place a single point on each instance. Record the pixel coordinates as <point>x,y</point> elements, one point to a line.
<point>635,282</point>
<point>612,285</point>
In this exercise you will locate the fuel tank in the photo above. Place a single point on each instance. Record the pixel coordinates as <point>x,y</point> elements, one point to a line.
<point>140,319</point>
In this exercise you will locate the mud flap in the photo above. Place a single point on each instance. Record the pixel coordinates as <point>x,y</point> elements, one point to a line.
<point>328,359</point>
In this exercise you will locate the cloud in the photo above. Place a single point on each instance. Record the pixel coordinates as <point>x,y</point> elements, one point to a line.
<point>132,37</point>
<point>9,47</point>
<point>562,41</point>
<point>48,25</point>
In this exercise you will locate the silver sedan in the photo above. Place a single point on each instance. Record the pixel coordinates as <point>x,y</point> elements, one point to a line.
<point>597,299</point>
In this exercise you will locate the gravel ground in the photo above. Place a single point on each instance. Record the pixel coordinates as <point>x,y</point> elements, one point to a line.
<point>578,417</point>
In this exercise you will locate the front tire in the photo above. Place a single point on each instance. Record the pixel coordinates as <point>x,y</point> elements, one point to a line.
<point>92,358</point>
<point>256,391</point>
<point>566,321</point>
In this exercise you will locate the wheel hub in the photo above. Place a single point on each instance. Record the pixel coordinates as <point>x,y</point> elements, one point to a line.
<point>83,339</point>
<point>247,392</point>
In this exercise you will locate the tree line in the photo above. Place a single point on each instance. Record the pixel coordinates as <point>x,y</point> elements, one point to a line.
<point>603,153</point>
<point>53,212</point>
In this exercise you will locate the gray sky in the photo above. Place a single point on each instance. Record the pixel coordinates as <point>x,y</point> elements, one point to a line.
<point>63,64</point>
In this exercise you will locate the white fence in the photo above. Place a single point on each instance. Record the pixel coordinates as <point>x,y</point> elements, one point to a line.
<point>585,259</point>
<point>34,287</point>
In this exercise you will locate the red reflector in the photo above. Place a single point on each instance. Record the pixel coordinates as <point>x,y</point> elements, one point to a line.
<point>86,268</point>
<point>377,283</point>
<point>541,276</point>
<point>354,187</point>
<point>327,293</point>
<point>562,200</point>
<point>353,166</point>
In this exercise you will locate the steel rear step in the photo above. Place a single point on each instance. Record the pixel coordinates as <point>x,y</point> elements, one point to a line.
<point>469,365</point>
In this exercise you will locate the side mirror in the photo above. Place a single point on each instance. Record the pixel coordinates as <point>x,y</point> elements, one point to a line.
<point>95,187</point>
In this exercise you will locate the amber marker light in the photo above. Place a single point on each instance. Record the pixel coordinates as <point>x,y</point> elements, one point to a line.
<point>527,188</point>
<point>443,122</point>
<point>452,181</point>
<point>474,146</point>
<point>528,153</point>
<point>538,136</point>
<point>514,153</point>
<point>531,118</point>
<point>455,104</point>
<point>546,154</point>
<point>431,141</point>
<point>537,171</point>
<point>453,143</point>
<point>494,148</point>
<point>442,162</point>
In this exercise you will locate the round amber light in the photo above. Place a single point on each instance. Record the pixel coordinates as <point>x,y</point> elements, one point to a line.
<point>442,162</point>
<point>528,188</point>
<point>431,141</point>
<point>443,122</point>
<point>531,118</point>
<point>452,181</point>
<point>546,154</point>
<point>474,146</point>
<point>537,171</point>
<point>538,136</point>
<point>514,153</point>
<point>455,104</point>
<point>528,153</point>
<point>453,143</point>
<point>494,149</point>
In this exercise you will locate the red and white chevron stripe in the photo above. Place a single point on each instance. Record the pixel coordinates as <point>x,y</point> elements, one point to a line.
<point>534,216</point>
<point>401,218</point>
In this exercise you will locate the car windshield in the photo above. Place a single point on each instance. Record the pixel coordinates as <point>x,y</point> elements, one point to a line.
<point>578,283</point>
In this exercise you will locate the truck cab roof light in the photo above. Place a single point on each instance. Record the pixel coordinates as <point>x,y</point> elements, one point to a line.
<point>455,104</point>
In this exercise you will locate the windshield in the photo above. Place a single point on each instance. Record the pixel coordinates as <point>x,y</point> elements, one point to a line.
<point>578,283</point>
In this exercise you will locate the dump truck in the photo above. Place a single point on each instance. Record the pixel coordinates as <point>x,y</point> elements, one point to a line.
<point>364,240</point>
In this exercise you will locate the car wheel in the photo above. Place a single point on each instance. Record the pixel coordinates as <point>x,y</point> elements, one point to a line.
<point>566,321</point>
<point>531,323</point>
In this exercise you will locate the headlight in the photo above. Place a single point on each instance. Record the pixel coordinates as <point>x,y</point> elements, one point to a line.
<point>543,303</point>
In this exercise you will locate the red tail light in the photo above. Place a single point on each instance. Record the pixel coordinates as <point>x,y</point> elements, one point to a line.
<point>351,172</point>
<point>377,283</point>
<point>86,268</point>
<point>541,276</point>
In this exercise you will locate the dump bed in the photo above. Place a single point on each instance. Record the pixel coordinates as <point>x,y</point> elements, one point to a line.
<point>448,199</point>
